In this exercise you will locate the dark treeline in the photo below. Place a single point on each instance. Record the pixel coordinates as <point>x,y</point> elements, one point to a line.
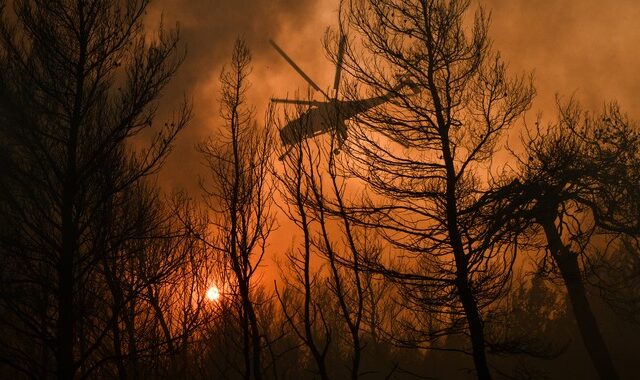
<point>424,246</point>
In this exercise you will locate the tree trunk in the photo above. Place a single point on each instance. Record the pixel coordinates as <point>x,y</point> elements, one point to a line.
<point>465,293</point>
<point>476,329</point>
<point>65,324</point>
<point>567,263</point>
<point>255,340</point>
<point>64,327</point>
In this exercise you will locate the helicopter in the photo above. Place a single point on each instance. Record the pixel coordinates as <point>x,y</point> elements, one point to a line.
<point>328,115</point>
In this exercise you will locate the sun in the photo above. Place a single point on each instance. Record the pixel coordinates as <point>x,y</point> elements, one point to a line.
<point>213,293</point>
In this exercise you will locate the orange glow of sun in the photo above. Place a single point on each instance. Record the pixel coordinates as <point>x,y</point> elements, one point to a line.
<point>213,293</point>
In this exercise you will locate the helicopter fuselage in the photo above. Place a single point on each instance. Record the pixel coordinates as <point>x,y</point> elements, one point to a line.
<point>325,117</point>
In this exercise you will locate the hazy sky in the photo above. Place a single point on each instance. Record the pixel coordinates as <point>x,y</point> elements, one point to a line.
<point>579,47</point>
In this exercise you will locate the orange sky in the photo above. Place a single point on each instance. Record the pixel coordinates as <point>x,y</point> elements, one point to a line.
<point>574,47</point>
<point>580,47</point>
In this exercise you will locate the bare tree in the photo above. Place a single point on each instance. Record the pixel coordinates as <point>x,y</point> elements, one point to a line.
<point>343,257</point>
<point>301,301</point>
<point>578,183</point>
<point>426,154</point>
<point>619,279</point>
<point>80,80</point>
<point>239,194</point>
<point>155,283</point>
<point>339,312</point>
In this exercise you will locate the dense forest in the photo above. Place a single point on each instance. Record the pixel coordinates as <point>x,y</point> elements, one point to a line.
<point>436,231</point>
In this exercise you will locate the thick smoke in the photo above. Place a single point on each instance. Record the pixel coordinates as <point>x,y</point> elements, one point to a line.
<point>586,49</point>
<point>208,29</point>
<point>581,48</point>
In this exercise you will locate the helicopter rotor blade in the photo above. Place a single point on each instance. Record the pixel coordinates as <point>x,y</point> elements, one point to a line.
<point>341,48</point>
<point>296,67</point>
<point>294,101</point>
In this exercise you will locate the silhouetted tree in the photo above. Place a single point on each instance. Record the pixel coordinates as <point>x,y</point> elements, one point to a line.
<point>155,286</point>
<point>578,183</point>
<point>342,315</point>
<point>341,250</point>
<point>240,196</point>
<point>80,79</point>
<point>301,299</point>
<point>619,279</point>
<point>425,152</point>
